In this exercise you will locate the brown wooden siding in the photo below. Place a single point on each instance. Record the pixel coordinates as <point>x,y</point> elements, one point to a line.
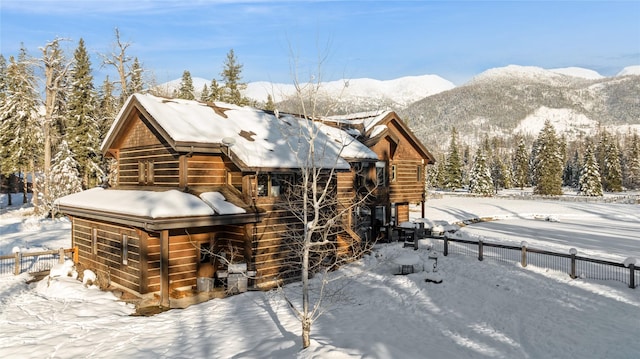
<point>107,262</point>
<point>402,212</point>
<point>406,187</point>
<point>165,165</point>
<point>206,171</point>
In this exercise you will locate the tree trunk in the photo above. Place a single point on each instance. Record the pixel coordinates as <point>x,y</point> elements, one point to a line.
<point>306,333</point>
<point>25,186</point>
<point>47,156</point>
<point>34,185</point>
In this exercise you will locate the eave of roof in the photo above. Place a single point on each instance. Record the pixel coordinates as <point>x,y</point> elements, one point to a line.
<point>158,224</point>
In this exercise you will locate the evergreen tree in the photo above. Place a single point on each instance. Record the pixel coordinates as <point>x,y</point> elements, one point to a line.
<point>232,78</point>
<point>3,78</point>
<point>547,162</point>
<point>3,94</point>
<point>480,180</point>
<point>186,87</point>
<point>20,130</point>
<point>107,112</point>
<point>136,85</point>
<point>572,170</point>
<point>521,165</point>
<point>453,167</point>
<point>612,168</point>
<point>590,181</point>
<point>270,106</point>
<point>83,135</point>
<point>633,162</point>
<point>440,173</point>
<point>204,94</point>
<point>215,91</point>
<point>496,169</point>
<point>64,178</point>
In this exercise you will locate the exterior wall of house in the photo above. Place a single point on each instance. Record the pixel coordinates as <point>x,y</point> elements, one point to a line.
<point>100,248</point>
<point>145,160</point>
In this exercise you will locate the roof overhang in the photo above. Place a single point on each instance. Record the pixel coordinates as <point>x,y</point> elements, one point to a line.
<point>159,224</point>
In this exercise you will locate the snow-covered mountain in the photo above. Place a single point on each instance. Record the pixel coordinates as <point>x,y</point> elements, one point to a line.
<point>518,99</point>
<point>401,92</point>
<point>357,93</point>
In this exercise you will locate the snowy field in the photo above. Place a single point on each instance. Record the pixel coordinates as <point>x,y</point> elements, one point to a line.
<point>480,310</point>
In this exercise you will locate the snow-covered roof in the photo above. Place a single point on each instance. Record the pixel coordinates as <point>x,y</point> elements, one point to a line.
<point>367,119</point>
<point>258,138</point>
<point>151,204</point>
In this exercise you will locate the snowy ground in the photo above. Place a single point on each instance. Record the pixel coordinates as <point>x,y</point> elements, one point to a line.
<point>481,309</point>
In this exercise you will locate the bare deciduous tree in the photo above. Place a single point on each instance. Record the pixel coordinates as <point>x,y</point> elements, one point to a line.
<point>321,238</point>
<point>56,68</point>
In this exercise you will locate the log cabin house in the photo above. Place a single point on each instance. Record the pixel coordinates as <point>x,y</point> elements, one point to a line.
<point>200,181</point>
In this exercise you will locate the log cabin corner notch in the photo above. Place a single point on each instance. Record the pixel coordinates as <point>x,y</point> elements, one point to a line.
<point>196,176</point>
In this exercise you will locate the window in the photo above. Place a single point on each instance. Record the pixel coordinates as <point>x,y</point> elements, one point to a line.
<point>125,249</point>
<point>145,172</point>
<point>263,185</point>
<point>280,183</point>
<point>381,174</point>
<point>419,174</point>
<point>273,185</point>
<point>394,173</point>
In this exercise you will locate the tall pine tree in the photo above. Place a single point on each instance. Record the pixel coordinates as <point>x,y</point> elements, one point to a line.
<point>186,89</point>
<point>521,165</point>
<point>633,162</point>
<point>107,111</point>
<point>83,135</point>
<point>480,180</point>
<point>547,162</point>
<point>232,77</point>
<point>20,125</point>
<point>453,167</point>
<point>612,167</point>
<point>590,182</point>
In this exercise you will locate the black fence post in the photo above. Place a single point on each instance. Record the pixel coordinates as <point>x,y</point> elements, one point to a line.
<point>573,253</point>
<point>480,250</point>
<point>632,276</point>
<point>446,246</point>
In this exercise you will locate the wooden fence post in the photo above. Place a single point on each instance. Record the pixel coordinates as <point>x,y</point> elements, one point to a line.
<point>573,253</point>
<point>17,263</point>
<point>480,250</point>
<point>61,255</point>
<point>75,255</point>
<point>523,261</point>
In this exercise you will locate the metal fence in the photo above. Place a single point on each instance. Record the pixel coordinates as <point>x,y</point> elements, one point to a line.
<point>33,262</point>
<point>572,264</point>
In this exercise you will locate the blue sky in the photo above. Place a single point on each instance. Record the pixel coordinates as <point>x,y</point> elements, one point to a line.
<point>353,39</point>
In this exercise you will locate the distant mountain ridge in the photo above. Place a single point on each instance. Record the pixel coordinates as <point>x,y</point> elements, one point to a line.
<point>518,99</point>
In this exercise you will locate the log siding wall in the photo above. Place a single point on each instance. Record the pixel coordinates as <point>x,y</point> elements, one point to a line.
<point>107,261</point>
<point>165,166</point>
